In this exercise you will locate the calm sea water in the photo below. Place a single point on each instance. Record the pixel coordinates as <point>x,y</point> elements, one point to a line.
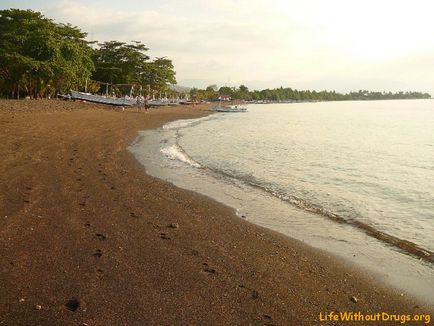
<point>366,161</point>
<point>354,177</point>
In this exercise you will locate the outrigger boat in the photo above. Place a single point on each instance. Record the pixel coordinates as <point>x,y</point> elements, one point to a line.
<point>228,109</point>
<point>123,101</point>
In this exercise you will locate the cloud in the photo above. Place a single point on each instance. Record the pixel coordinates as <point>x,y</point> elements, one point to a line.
<point>165,29</point>
<point>199,47</point>
<point>328,44</point>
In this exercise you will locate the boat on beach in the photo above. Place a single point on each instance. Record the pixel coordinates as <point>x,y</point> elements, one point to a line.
<point>122,101</point>
<point>157,103</point>
<point>229,109</point>
<point>163,102</point>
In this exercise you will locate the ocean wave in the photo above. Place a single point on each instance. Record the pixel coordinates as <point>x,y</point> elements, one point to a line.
<point>178,124</point>
<point>175,152</point>
<point>403,245</point>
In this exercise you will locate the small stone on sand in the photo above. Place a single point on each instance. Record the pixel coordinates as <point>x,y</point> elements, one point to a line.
<point>72,304</point>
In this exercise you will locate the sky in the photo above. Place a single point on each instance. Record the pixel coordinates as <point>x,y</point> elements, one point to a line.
<point>337,45</point>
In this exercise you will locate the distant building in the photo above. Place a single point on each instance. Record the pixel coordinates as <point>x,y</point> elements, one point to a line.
<point>224,98</point>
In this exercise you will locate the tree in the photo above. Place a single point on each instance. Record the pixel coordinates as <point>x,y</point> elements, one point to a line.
<point>212,87</point>
<point>226,91</point>
<point>242,93</point>
<point>211,92</point>
<point>40,57</point>
<point>160,74</point>
<point>122,63</point>
<point>74,63</point>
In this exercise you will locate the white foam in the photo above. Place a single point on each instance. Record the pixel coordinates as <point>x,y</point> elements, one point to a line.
<point>175,152</point>
<point>183,123</point>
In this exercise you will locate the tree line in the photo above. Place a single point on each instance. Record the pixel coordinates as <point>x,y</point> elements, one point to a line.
<point>41,58</point>
<point>281,94</point>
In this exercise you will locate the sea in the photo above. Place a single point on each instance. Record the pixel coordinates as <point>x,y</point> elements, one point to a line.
<point>353,178</point>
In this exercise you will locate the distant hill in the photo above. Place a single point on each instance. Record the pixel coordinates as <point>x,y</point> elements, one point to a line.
<point>180,89</point>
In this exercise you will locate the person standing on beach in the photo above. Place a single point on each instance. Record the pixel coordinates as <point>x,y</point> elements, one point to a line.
<point>139,104</point>
<point>146,104</point>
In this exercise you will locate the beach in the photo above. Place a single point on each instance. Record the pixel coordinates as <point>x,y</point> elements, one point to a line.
<point>88,238</point>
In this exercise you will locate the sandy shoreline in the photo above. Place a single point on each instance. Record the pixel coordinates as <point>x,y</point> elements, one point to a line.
<point>80,221</point>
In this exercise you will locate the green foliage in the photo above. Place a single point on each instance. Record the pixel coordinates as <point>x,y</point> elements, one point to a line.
<point>93,86</point>
<point>160,74</point>
<point>40,57</point>
<point>122,63</point>
<point>197,94</point>
<point>289,94</point>
<point>227,91</point>
<point>210,93</point>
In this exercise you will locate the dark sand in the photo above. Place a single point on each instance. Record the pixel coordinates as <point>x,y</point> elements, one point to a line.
<point>81,223</point>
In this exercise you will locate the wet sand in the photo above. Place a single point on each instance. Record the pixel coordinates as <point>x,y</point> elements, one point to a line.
<point>87,238</point>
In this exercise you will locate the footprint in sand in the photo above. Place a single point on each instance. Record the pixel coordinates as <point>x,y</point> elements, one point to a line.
<point>100,273</point>
<point>208,269</point>
<point>268,320</point>
<point>164,236</point>
<point>254,294</point>
<point>101,236</point>
<point>98,253</point>
<point>27,192</point>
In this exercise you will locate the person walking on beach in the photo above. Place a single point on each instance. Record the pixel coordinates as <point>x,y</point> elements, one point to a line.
<point>146,105</point>
<point>139,102</point>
